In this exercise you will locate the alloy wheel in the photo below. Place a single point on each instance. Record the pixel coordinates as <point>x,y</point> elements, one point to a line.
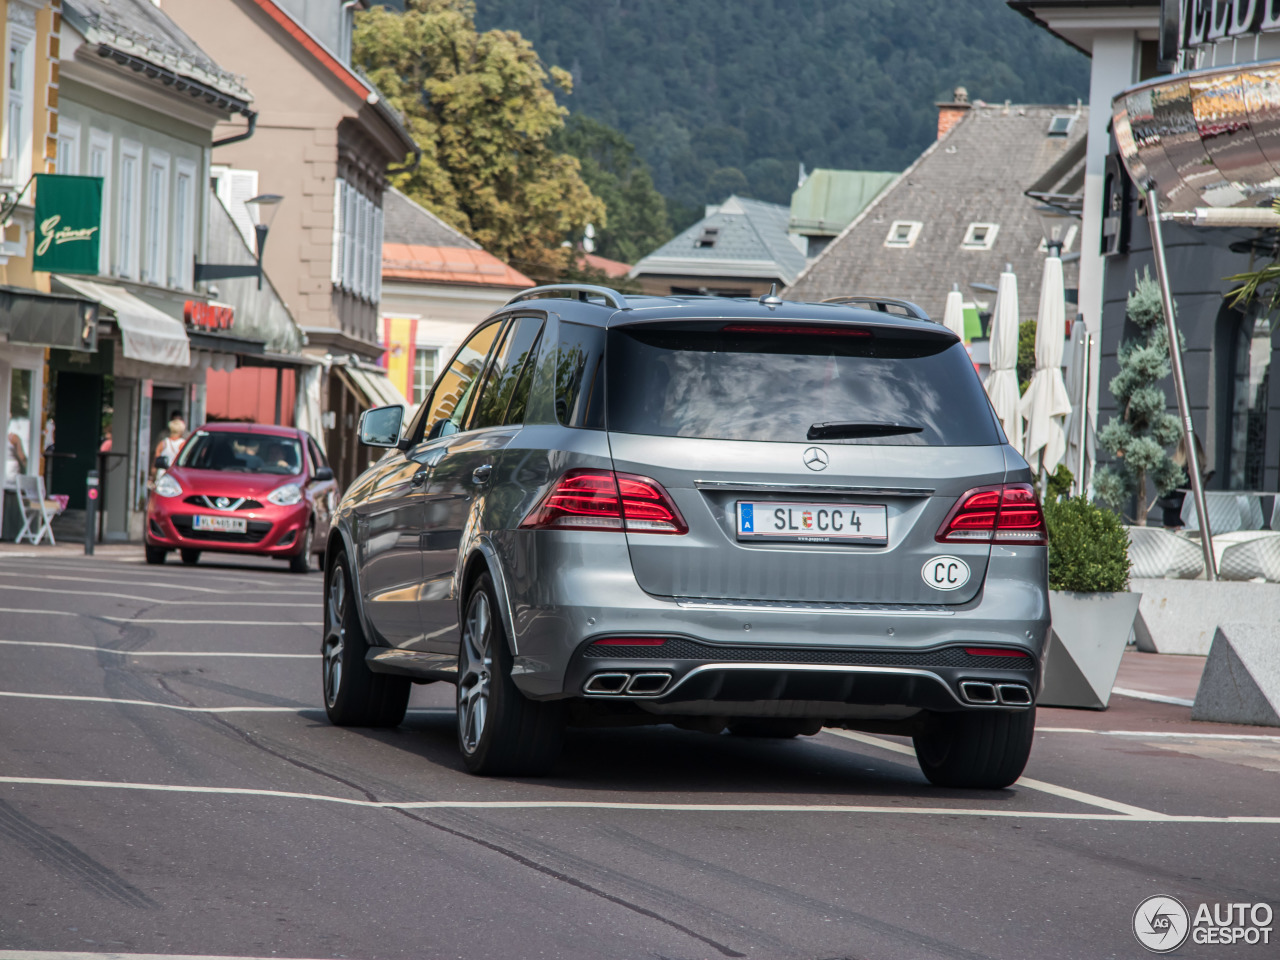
<point>475,667</point>
<point>335,634</point>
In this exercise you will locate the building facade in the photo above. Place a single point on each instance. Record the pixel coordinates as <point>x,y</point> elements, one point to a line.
<point>437,285</point>
<point>324,140</point>
<point>1207,66</point>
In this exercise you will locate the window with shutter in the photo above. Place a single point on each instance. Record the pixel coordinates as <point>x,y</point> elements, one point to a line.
<point>377,255</point>
<point>335,268</point>
<point>349,240</point>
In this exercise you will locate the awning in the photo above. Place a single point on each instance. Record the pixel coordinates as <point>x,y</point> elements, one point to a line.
<point>47,319</point>
<point>373,384</point>
<point>148,334</point>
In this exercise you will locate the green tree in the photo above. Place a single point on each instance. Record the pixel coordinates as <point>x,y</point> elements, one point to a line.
<point>481,107</point>
<point>638,222</point>
<point>1138,437</point>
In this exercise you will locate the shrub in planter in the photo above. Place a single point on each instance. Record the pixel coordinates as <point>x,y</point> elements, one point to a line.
<point>1091,607</point>
<point>1088,547</point>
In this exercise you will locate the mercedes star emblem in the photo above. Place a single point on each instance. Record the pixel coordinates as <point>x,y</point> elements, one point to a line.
<point>815,458</point>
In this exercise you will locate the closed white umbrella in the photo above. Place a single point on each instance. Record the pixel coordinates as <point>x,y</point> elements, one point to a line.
<point>1046,402</point>
<point>1002,381</point>
<point>953,314</point>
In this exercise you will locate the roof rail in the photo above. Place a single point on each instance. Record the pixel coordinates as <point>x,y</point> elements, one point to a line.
<point>577,291</point>
<point>882,305</point>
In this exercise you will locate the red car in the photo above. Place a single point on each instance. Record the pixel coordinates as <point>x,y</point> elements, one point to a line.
<point>243,488</point>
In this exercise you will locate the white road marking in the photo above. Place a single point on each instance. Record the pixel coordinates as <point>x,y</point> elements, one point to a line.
<point>55,955</point>
<point>1066,793</point>
<point>16,695</point>
<point>220,623</point>
<point>158,653</point>
<point>624,805</point>
<point>1154,697</point>
<point>157,600</point>
<point>1161,733</point>
<point>174,585</point>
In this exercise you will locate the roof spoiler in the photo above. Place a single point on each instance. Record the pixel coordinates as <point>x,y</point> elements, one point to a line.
<point>883,304</point>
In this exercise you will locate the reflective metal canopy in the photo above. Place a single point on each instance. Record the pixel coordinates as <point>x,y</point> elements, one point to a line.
<point>1206,138</point>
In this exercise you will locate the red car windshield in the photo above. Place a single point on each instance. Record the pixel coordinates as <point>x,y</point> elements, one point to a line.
<point>241,453</point>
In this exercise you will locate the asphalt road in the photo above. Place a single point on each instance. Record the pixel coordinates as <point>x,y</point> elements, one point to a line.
<point>169,785</point>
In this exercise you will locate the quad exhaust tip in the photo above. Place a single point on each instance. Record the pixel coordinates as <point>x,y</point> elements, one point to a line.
<point>648,684</point>
<point>983,692</point>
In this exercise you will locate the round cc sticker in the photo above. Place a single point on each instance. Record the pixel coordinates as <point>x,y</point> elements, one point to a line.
<point>945,573</point>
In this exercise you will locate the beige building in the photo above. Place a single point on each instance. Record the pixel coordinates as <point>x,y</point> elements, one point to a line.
<point>324,140</point>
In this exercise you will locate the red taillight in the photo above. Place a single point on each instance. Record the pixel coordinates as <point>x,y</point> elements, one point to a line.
<point>630,642</point>
<point>995,652</point>
<point>604,500</point>
<point>1008,513</point>
<point>804,330</point>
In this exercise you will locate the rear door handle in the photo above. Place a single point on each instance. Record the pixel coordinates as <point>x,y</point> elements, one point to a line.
<point>481,474</point>
<point>419,478</point>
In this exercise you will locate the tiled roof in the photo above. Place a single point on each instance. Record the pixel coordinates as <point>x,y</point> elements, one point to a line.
<point>611,268</point>
<point>750,234</point>
<point>436,264</point>
<point>405,221</point>
<point>976,174</point>
<point>143,30</point>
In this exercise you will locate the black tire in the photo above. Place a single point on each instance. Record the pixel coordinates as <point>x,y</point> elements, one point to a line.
<point>501,732</point>
<point>301,562</point>
<point>985,750</point>
<point>190,557</point>
<point>354,696</point>
<point>777,728</point>
<point>155,554</point>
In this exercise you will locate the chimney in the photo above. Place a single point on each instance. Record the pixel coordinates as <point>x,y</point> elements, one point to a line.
<point>949,114</point>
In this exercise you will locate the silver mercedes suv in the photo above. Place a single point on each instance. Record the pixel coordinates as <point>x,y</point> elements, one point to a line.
<point>752,516</point>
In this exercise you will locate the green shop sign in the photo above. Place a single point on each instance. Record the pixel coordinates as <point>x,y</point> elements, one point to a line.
<point>68,218</point>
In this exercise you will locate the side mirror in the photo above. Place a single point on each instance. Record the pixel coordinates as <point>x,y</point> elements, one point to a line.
<point>380,427</point>
<point>323,473</point>
<point>162,463</point>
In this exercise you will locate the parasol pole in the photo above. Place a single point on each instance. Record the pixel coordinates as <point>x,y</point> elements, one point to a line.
<point>1179,384</point>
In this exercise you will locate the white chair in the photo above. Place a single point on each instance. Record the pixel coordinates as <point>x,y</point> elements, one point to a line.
<point>1155,553</point>
<point>37,511</point>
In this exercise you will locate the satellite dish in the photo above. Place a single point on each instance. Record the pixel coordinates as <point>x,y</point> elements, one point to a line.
<point>588,244</point>
<point>590,232</point>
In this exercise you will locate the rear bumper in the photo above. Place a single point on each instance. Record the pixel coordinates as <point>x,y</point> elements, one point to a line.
<point>558,602</point>
<point>689,677</point>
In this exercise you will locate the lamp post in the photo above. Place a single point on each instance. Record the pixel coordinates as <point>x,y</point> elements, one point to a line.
<point>264,208</point>
<point>1055,224</point>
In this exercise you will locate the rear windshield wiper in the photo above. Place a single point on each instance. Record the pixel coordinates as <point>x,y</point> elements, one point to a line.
<point>858,429</point>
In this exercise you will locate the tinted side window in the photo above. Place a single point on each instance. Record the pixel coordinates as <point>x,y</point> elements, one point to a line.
<point>443,410</point>
<point>520,395</point>
<point>580,376</point>
<point>508,361</point>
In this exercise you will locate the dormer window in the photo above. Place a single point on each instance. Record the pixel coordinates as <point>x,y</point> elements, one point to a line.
<point>1060,124</point>
<point>980,236</point>
<point>903,233</point>
<point>708,238</point>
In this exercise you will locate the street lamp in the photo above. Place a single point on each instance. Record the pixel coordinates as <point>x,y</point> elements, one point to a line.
<point>1055,224</point>
<point>263,208</point>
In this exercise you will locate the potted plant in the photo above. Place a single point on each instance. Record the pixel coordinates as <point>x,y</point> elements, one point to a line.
<point>1090,603</point>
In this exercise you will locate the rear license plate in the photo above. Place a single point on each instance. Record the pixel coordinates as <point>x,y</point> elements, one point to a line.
<point>221,524</point>
<point>863,523</point>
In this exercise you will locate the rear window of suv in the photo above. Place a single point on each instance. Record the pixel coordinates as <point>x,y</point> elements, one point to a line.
<point>742,381</point>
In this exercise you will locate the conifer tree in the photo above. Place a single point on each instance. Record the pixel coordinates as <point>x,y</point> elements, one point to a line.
<point>1139,437</point>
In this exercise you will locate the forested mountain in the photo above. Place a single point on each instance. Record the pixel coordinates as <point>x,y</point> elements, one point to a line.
<point>723,96</point>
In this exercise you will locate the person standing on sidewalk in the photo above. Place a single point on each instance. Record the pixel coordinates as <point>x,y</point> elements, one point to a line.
<point>170,446</point>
